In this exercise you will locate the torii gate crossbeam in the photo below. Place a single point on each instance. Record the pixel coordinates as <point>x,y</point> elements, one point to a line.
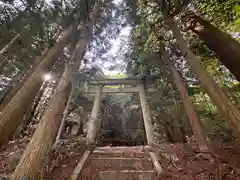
<point>124,81</point>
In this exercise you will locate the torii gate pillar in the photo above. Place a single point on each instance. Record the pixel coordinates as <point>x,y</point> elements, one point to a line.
<point>94,124</point>
<point>147,117</point>
<point>146,114</point>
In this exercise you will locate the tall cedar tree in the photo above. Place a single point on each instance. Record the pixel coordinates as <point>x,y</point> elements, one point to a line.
<point>225,47</point>
<point>191,113</point>
<point>38,149</point>
<point>220,99</point>
<point>195,122</point>
<point>12,114</point>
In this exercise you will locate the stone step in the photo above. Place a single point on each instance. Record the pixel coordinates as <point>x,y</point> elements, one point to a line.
<point>118,163</point>
<point>126,175</point>
<point>97,154</point>
<point>126,151</point>
<point>125,148</point>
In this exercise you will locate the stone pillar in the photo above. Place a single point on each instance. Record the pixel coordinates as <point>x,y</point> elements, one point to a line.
<point>94,122</point>
<point>94,125</point>
<point>147,117</point>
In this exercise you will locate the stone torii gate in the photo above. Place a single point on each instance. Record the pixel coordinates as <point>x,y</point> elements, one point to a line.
<point>94,122</point>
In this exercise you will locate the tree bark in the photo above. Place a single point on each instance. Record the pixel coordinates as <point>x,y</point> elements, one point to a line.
<point>178,116</point>
<point>45,99</point>
<point>225,47</point>
<point>43,138</point>
<point>29,116</point>
<point>11,116</point>
<point>65,113</point>
<point>192,115</point>
<point>38,149</point>
<point>223,103</point>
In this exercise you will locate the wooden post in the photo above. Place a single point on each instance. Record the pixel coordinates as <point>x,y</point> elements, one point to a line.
<point>65,114</point>
<point>147,117</point>
<point>93,128</point>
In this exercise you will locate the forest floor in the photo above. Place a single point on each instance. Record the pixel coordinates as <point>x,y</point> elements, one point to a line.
<point>178,162</point>
<point>183,164</point>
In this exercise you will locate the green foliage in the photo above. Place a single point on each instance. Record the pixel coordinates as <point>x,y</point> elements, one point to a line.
<point>220,13</point>
<point>209,115</point>
<point>237,19</point>
<point>38,22</point>
<point>146,55</point>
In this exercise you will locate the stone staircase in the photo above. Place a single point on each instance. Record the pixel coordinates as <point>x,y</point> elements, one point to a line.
<point>118,163</point>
